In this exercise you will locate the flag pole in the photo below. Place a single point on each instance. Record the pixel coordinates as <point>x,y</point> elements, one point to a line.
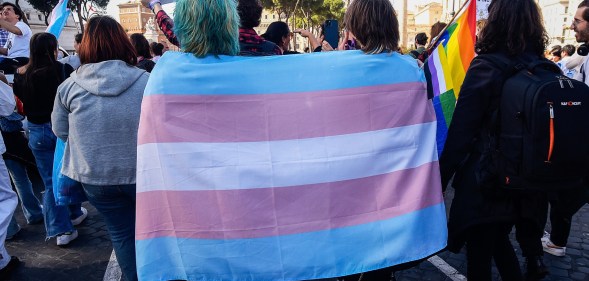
<point>437,38</point>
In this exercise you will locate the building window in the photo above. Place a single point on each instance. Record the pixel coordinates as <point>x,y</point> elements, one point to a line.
<point>273,16</point>
<point>39,16</point>
<point>28,16</point>
<point>266,17</point>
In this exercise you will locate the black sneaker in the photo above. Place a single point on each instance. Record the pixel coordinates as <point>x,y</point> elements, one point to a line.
<point>9,268</point>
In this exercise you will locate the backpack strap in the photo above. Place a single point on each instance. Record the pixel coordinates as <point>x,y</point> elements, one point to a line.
<point>509,67</point>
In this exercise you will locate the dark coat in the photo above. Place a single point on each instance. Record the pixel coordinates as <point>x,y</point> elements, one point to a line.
<point>472,203</point>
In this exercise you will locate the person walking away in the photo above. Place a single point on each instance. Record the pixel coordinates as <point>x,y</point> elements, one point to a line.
<point>35,84</point>
<point>564,205</point>
<point>483,213</point>
<point>97,112</point>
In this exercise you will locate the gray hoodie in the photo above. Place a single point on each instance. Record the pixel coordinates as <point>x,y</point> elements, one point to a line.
<point>97,111</point>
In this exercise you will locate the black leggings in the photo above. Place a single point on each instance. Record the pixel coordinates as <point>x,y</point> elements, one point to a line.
<point>489,242</point>
<point>562,209</point>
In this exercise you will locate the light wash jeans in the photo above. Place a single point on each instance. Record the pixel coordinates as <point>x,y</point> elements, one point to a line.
<point>42,144</point>
<point>31,206</point>
<point>116,203</point>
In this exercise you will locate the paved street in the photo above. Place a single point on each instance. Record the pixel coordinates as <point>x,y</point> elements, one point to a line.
<point>88,256</point>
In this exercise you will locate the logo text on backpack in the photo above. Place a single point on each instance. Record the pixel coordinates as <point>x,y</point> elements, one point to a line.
<point>570,103</point>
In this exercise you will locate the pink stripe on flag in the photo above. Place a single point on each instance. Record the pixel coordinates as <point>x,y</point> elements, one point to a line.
<point>268,117</point>
<point>264,212</point>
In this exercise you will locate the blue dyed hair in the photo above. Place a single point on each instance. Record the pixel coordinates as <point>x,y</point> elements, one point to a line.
<point>206,27</point>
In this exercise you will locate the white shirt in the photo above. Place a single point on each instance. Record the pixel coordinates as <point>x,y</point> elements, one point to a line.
<point>18,45</point>
<point>583,74</point>
<point>7,104</point>
<point>73,60</point>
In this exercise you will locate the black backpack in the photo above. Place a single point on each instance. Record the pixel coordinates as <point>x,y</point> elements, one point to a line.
<point>538,136</point>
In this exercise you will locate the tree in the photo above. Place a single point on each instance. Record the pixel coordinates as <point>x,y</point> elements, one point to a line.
<point>84,9</point>
<point>44,7</point>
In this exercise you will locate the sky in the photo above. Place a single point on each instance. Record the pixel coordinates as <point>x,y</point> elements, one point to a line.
<point>113,11</point>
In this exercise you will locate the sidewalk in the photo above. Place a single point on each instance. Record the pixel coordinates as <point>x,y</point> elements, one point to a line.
<point>85,258</point>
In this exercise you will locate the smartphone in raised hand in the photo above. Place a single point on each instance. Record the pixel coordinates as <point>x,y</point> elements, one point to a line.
<point>331,33</point>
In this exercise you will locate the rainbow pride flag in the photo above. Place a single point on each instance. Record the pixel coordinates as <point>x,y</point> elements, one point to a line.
<point>286,168</point>
<point>446,67</point>
<point>58,19</point>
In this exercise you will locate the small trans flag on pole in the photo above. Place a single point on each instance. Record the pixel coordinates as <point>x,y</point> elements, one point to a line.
<point>59,17</point>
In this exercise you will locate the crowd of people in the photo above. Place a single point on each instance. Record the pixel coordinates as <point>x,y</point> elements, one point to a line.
<point>92,100</point>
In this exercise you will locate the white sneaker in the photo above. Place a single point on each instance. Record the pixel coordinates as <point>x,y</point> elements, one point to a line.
<point>552,249</point>
<point>81,218</point>
<point>66,238</point>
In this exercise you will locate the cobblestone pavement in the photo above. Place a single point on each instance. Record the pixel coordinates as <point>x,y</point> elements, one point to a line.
<point>87,257</point>
<point>573,266</point>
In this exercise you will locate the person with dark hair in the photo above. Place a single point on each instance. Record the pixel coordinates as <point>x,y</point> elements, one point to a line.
<point>565,204</point>
<point>375,27</point>
<point>250,43</point>
<point>555,54</point>
<point>74,60</point>
<point>362,17</point>
<point>420,42</point>
<point>35,84</point>
<point>250,14</point>
<point>97,112</point>
<point>482,217</point>
<point>279,34</point>
<point>581,27</point>
<point>16,48</point>
<point>436,29</point>
<point>157,50</point>
<point>142,49</point>
<point>567,52</point>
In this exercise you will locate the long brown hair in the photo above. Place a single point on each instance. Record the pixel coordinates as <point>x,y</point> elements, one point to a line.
<point>374,24</point>
<point>104,39</point>
<point>42,59</point>
<point>514,27</point>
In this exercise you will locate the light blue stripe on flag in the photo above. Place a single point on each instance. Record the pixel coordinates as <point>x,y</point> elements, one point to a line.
<point>294,73</point>
<point>59,17</point>
<point>343,251</point>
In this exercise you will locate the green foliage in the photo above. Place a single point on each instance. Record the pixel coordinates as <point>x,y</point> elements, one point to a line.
<point>44,6</point>
<point>80,7</point>
<point>309,14</point>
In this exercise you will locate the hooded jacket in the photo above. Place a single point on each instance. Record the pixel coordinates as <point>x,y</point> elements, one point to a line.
<point>97,111</point>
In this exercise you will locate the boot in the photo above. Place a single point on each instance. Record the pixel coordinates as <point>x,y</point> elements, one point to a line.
<point>535,268</point>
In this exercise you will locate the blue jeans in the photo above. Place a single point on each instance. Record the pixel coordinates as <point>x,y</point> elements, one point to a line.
<point>31,206</point>
<point>13,227</point>
<point>42,144</point>
<point>116,203</point>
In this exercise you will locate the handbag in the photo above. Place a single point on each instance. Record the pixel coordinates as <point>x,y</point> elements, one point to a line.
<point>65,190</point>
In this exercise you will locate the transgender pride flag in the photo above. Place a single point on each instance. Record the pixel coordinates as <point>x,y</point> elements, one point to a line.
<point>286,168</point>
<point>58,19</point>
